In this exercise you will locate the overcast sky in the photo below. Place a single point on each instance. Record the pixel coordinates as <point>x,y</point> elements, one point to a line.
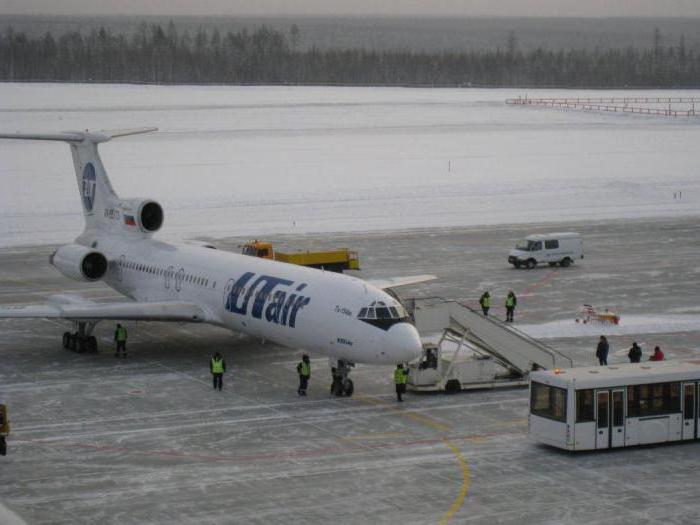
<point>555,8</point>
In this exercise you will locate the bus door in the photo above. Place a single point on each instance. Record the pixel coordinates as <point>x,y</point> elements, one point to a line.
<point>617,421</point>
<point>690,420</point>
<point>602,437</point>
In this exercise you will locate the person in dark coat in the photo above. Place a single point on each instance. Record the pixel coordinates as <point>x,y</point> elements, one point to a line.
<point>635,353</point>
<point>602,351</point>
<point>511,302</point>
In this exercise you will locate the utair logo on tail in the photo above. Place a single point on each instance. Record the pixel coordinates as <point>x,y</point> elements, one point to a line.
<point>89,185</point>
<point>280,310</point>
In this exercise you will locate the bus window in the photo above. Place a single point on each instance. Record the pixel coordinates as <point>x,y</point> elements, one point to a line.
<point>584,406</point>
<point>653,400</point>
<point>602,410</point>
<point>548,401</point>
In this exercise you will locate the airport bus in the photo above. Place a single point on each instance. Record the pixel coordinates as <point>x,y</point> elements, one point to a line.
<point>621,405</point>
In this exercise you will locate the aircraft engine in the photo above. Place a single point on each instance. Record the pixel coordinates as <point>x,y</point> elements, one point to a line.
<point>146,213</point>
<point>79,263</point>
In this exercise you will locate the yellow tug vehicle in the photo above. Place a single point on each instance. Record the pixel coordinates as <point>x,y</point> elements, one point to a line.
<point>332,261</point>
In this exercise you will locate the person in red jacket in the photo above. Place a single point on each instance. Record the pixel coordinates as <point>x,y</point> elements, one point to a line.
<point>658,355</point>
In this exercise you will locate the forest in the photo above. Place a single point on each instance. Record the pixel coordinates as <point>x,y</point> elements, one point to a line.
<point>160,54</point>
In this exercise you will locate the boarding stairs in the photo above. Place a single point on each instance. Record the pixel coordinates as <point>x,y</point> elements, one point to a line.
<point>514,350</point>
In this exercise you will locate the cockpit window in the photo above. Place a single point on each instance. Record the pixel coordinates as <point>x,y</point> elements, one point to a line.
<point>383,313</point>
<point>382,316</point>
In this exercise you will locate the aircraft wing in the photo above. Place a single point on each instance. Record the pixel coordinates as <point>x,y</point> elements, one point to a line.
<point>119,311</point>
<point>395,282</point>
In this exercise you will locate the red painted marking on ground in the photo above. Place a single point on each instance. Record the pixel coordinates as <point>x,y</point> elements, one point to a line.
<point>544,280</point>
<point>135,392</point>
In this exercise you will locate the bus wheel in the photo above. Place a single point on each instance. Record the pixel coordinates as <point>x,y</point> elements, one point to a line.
<point>452,386</point>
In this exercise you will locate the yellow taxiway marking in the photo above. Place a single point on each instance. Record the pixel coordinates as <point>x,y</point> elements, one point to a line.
<point>426,420</point>
<point>464,488</point>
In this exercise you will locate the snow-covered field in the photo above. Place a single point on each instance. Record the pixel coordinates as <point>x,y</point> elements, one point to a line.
<point>261,160</point>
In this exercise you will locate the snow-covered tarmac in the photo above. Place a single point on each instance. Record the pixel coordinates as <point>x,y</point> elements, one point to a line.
<point>145,440</point>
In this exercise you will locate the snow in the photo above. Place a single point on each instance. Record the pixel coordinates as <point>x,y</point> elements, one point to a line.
<point>629,325</point>
<point>253,161</point>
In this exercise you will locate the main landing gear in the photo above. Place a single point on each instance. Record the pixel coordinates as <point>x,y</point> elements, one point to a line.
<point>82,339</point>
<point>342,384</point>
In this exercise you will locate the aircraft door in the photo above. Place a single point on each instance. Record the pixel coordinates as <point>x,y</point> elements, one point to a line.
<point>602,438</point>
<point>169,276</point>
<point>617,419</point>
<point>122,264</point>
<point>689,412</point>
<point>179,277</point>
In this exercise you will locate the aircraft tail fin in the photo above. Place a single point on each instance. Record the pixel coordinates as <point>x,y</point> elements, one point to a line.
<point>96,192</point>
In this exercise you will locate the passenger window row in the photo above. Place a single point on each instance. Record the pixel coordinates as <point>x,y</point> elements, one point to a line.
<point>154,270</point>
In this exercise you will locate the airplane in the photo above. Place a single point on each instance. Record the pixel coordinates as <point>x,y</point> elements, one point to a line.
<point>346,318</point>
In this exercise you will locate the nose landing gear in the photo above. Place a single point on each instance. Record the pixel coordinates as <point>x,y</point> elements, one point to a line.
<point>342,384</point>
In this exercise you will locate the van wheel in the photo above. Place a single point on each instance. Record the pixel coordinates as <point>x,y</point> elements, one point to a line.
<point>453,386</point>
<point>530,264</point>
<point>565,262</point>
<point>517,264</point>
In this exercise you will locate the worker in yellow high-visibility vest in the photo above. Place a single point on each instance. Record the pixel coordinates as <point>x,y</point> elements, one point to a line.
<point>485,302</point>
<point>120,337</point>
<point>217,367</point>
<point>304,370</point>
<point>400,377</point>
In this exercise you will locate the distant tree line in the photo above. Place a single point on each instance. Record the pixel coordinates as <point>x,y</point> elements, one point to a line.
<point>154,54</point>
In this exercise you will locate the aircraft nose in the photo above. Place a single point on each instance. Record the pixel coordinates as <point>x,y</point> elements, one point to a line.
<point>404,342</point>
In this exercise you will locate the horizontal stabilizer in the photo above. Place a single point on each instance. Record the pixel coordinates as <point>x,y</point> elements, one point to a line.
<point>395,282</point>
<point>78,136</point>
<point>120,311</point>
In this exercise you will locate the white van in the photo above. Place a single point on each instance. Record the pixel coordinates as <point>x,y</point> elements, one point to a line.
<point>551,248</point>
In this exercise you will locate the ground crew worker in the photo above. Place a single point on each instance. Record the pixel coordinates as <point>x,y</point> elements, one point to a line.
<point>658,355</point>
<point>635,353</point>
<point>485,302</point>
<point>120,336</point>
<point>601,351</point>
<point>304,370</point>
<point>217,366</point>
<point>511,301</point>
<point>400,377</point>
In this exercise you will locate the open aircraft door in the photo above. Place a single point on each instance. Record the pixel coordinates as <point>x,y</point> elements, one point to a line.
<point>690,413</point>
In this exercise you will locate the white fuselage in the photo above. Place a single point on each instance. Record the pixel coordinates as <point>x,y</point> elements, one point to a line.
<point>291,305</point>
